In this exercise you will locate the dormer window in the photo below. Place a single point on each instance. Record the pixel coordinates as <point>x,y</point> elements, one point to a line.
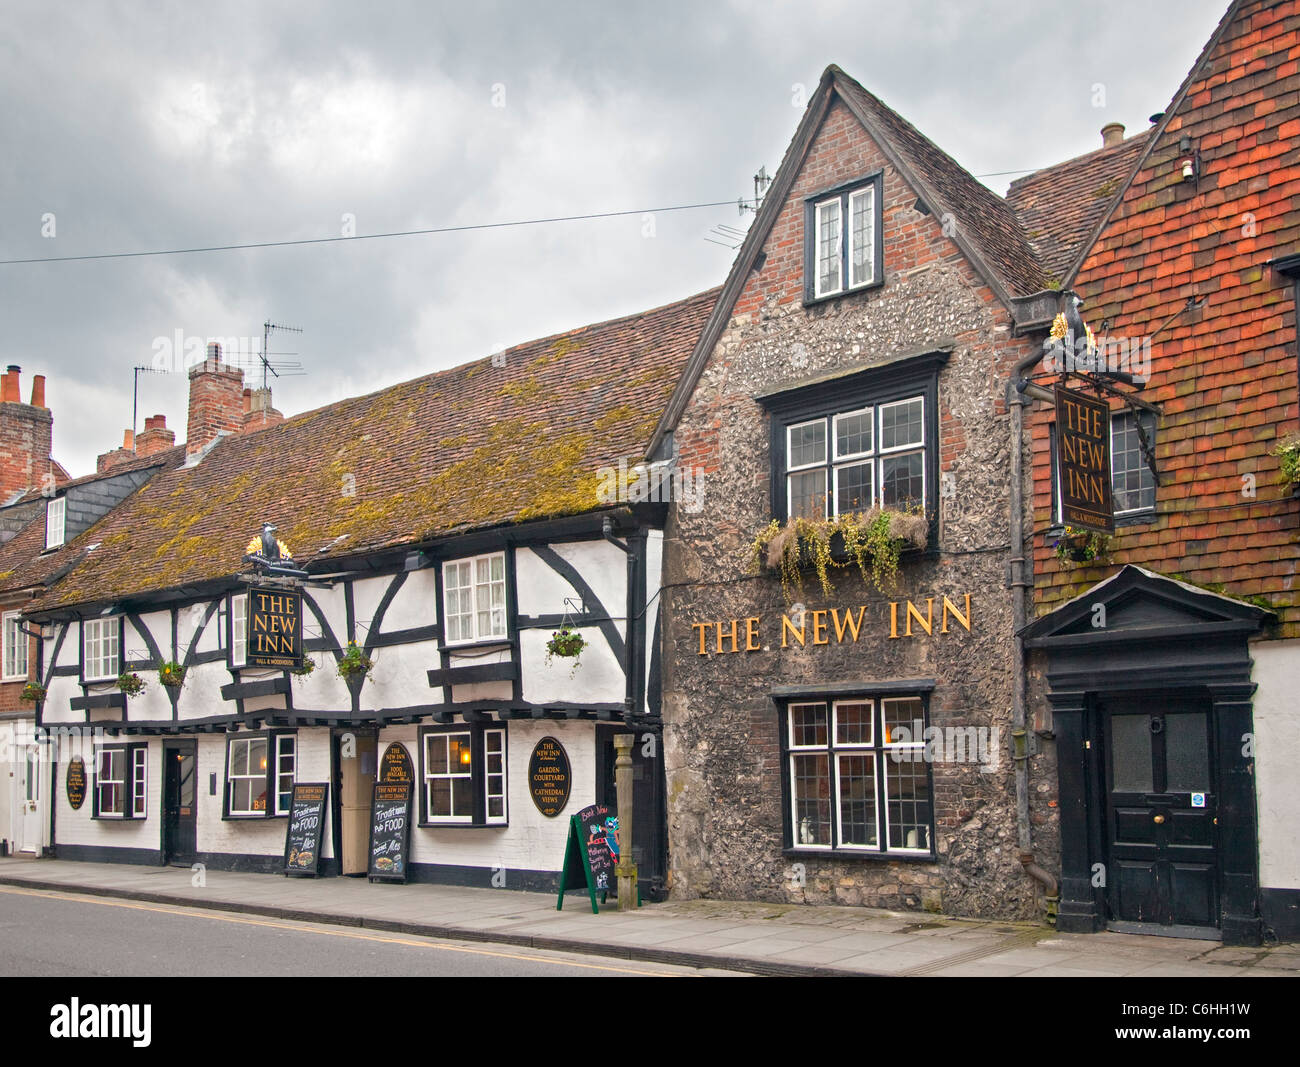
<point>843,248</point>
<point>55,510</point>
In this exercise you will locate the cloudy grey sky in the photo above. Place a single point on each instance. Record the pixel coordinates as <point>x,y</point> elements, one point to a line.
<point>144,126</point>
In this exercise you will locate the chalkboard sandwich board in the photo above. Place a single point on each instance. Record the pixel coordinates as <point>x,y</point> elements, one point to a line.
<point>302,837</point>
<point>591,854</point>
<point>390,831</point>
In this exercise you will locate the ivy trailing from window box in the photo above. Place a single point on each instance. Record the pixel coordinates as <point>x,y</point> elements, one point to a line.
<point>355,663</point>
<point>874,541</point>
<point>1082,546</point>
<point>171,674</point>
<point>565,643</point>
<point>130,683</point>
<point>33,693</point>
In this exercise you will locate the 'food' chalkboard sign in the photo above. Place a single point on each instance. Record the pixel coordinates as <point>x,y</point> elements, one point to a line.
<point>306,824</point>
<point>390,831</point>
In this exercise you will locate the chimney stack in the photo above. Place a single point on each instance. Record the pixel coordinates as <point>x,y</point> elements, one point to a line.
<point>1112,134</point>
<point>108,460</point>
<point>258,412</point>
<point>26,433</point>
<point>155,437</point>
<point>216,401</point>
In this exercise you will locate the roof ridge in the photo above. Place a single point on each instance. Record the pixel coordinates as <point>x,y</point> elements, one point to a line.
<point>1128,142</point>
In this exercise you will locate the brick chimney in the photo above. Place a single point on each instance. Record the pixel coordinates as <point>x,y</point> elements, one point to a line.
<point>216,401</point>
<point>155,437</point>
<point>26,433</point>
<point>118,456</point>
<point>1112,134</point>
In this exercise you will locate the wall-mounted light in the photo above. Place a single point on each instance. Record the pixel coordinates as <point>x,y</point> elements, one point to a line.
<point>465,756</point>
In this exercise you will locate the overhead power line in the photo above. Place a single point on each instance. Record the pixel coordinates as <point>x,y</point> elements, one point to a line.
<point>366,236</point>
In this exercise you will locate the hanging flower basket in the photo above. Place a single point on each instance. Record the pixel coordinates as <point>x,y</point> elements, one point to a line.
<point>171,674</point>
<point>308,665</point>
<point>566,643</point>
<point>1082,546</point>
<point>33,693</point>
<point>130,683</point>
<point>354,663</point>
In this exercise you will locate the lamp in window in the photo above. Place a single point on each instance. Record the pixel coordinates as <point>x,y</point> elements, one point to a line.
<point>465,756</point>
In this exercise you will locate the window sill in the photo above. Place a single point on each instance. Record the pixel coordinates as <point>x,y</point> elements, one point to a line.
<point>859,854</point>
<point>463,825</point>
<point>252,817</point>
<point>478,646</point>
<point>813,301</point>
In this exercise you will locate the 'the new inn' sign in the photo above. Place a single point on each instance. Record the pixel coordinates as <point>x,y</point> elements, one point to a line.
<point>274,628</point>
<point>1083,461</point>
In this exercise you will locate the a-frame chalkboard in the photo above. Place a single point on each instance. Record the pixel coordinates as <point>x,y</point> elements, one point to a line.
<point>302,835</point>
<point>590,854</point>
<point>390,831</point>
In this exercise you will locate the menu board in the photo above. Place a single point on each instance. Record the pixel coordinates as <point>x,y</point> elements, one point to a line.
<point>302,837</point>
<point>390,831</point>
<point>591,854</point>
<point>76,782</point>
<point>549,778</point>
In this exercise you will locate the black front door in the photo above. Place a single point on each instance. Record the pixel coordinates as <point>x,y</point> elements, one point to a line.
<point>179,779</point>
<point>1161,814</point>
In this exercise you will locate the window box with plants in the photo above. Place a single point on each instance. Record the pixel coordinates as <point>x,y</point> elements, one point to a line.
<point>873,541</point>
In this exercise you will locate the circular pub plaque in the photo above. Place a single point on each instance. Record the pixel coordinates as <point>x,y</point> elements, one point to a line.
<point>76,782</point>
<point>549,778</point>
<point>396,765</point>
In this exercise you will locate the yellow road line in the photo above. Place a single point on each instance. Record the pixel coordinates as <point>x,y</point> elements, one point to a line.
<point>50,894</point>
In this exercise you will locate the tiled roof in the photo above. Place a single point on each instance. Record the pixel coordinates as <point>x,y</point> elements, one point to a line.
<point>167,457</point>
<point>1060,205</point>
<point>476,446</point>
<point>987,220</point>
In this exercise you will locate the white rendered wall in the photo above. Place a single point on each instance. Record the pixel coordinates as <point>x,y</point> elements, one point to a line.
<point>1277,750</point>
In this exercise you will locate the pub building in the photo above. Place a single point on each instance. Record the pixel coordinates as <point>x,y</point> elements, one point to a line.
<point>444,591</point>
<point>854,740</point>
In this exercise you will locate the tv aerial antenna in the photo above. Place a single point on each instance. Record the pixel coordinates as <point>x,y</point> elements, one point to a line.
<point>276,368</point>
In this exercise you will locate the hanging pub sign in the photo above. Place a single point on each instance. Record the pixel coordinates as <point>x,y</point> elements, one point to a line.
<point>302,836</point>
<point>75,782</point>
<point>591,854</point>
<point>396,765</point>
<point>1083,461</point>
<point>549,777</point>
<point>274,628</point>
<point>390,831</point>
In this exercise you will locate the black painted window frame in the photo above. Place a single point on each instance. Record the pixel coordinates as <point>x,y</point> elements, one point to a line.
<point>837,849</point>
<point>916,376</point>
<point>128,750</point>
<point>272,774</point>
<point>478,781</point>
<point>843,193</point>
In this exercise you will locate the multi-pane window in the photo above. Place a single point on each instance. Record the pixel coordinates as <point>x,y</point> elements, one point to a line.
<point>15,647</point>
<point>857,775</point>
<point>843,244</point>
<point>55,511</point>
<point>474,598</point>
<point>854,460</point>
<point>121,782</point>
<point>246,778</point>
<point>101,644</point>
<point>1133,486</point>
<point>464,775</point>
<point>238,630</point>
<point>286,762</point>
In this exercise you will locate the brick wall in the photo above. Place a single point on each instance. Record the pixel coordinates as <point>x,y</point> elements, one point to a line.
<point>216,401</point>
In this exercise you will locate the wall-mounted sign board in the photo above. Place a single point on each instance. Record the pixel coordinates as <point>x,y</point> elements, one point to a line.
<point>274,628</point>
<point>549,777</point>
<point>75,782</point>
<point>1083,461</point>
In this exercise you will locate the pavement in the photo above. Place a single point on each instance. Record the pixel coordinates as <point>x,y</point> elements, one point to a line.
<point>745,936</point>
